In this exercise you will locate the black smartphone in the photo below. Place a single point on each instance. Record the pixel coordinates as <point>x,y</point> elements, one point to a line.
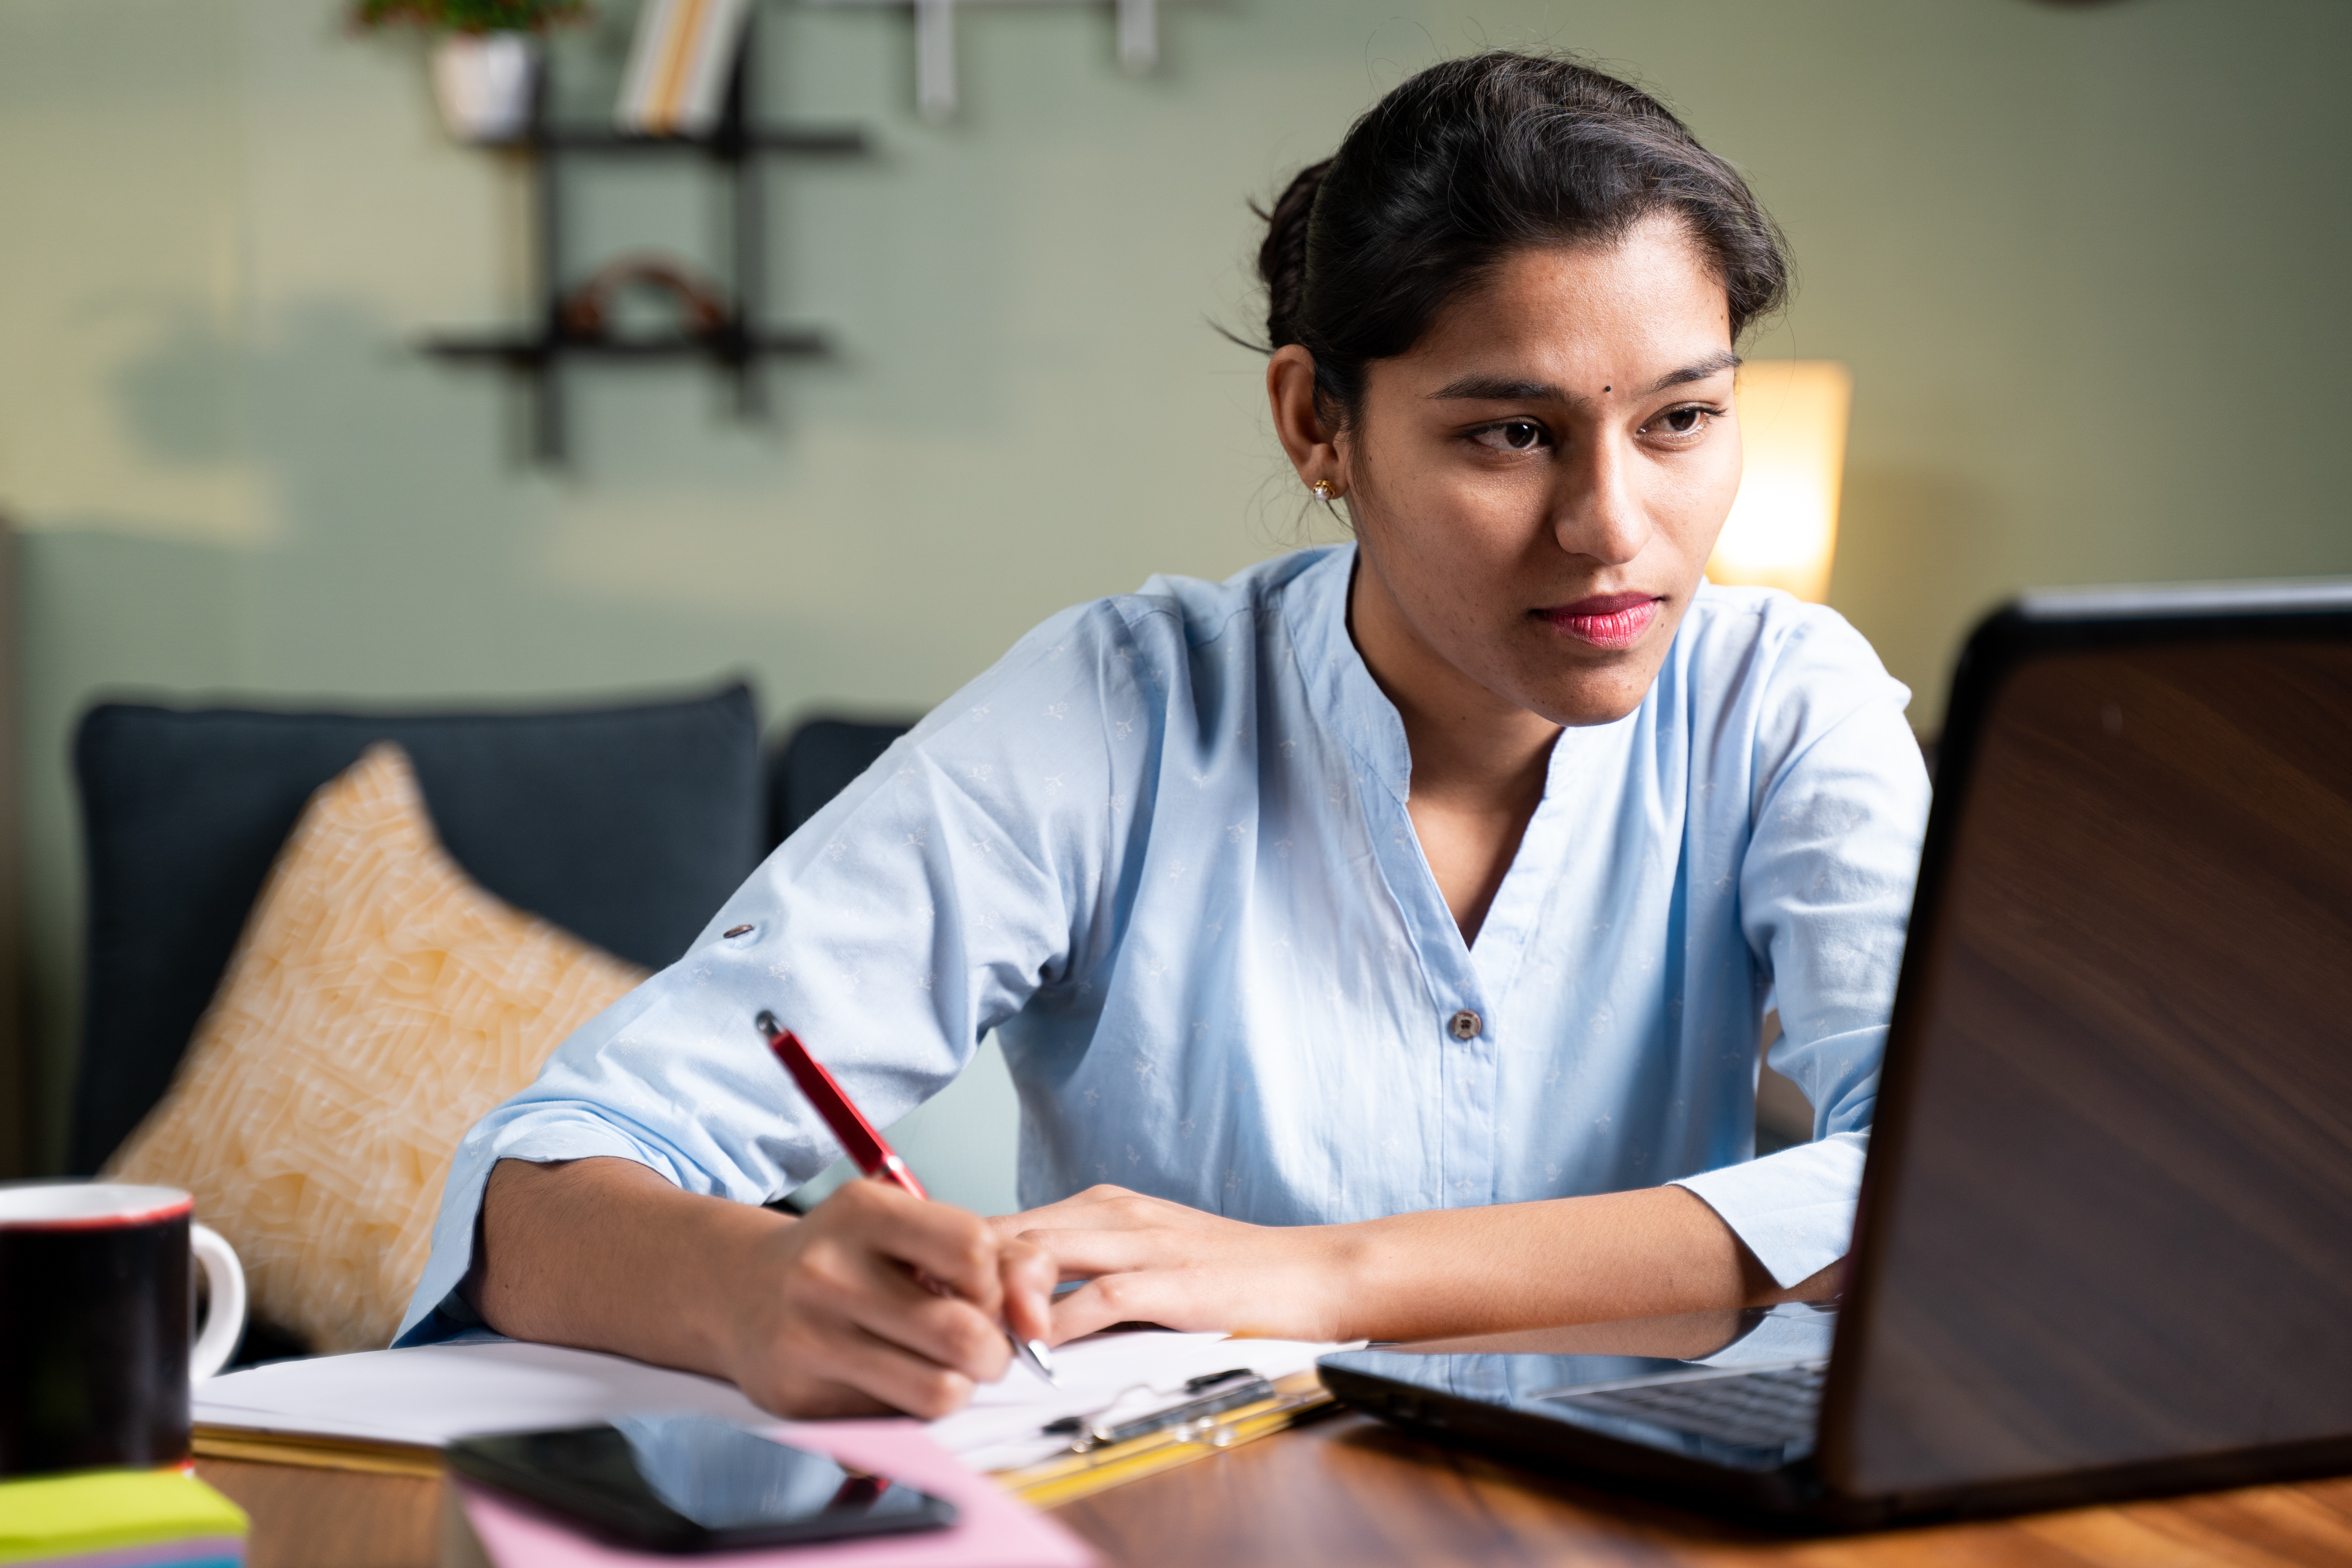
<point>694,1483</point>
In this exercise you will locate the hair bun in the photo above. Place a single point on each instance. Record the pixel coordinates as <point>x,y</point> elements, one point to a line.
<point>1282,259</point>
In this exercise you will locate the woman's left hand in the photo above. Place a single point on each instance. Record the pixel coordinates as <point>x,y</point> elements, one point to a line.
<point>1149,1260</point>
<point>1429,1274</point>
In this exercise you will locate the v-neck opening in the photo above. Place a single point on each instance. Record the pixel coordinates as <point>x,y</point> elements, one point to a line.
<point>1365,720</point>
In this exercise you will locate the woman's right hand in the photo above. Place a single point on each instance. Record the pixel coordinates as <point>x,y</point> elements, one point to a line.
<point>817,1316</point>
<point>846,1327</point>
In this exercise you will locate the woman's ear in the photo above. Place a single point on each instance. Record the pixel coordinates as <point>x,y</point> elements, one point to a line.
<point>1311,445</point>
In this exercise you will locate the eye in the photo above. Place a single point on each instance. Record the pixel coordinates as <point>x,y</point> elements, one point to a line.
<point>1689,419</point>
<point>1511,436</point>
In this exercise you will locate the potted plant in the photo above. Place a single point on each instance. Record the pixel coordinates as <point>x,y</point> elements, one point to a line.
<point>485,67</point>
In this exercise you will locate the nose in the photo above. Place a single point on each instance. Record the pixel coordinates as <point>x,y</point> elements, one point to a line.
<point>1597,510</point>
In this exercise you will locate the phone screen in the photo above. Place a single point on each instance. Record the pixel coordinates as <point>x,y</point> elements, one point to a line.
<point>694,1483</point>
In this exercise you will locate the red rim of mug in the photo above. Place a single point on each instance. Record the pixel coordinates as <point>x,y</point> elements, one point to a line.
<point>166,1208</point>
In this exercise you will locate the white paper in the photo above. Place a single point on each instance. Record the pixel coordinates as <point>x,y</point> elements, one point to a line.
<point>433,1395</point>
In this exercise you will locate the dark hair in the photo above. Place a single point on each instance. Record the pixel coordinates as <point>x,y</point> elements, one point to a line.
<point>1468,162</point>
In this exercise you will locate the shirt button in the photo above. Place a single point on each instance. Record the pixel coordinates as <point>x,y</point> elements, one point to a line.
<point>1466,1025</point>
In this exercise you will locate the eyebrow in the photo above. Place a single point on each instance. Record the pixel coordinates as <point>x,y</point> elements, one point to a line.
<point>1715,363</point>
<point>1504,389</point>
<point>1501,389</point>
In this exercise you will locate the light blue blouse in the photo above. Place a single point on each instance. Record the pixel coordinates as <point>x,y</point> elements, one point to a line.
<point>1162,848</point>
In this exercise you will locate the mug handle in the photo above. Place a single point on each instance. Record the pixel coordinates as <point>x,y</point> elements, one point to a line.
<point>224,1318</point>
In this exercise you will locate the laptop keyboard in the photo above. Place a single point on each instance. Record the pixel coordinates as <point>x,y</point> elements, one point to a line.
<point>1754,1409</point>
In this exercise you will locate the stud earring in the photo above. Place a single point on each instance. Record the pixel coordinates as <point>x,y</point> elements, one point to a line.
<point>1323,491</point>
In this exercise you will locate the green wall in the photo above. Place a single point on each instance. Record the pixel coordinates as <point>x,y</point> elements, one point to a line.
<point>2087,262</point>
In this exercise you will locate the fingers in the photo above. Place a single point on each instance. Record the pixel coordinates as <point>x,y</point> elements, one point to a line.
<point>880,1300</point>
<point>942,1330</point>
<point>1156,1296</point>
<point>874,1292</point>
<point>851,1336</point>
<point>1083,1209</point>
<point>912,1383</point>
<point>865,1376</point>
<point>851,1316</point>
<point>859,1309</point>
<point>952,1246</point>
<point>1028,1275</point>
<point>1007,1283</point>
<point>1084,1254</point>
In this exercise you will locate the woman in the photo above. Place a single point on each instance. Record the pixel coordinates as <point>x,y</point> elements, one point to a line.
<point>1378,939</point>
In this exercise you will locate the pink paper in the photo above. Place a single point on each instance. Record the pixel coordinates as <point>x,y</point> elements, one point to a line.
<point>993,1529</point>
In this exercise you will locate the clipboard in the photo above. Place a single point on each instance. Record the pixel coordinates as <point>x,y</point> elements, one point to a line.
<point>1066,1477</point>
<point>368,1458</point>
<point>389,1412</point>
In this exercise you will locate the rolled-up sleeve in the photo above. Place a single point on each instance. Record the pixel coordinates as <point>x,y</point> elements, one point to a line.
<point>1840,806</point>
<point>922,907</point>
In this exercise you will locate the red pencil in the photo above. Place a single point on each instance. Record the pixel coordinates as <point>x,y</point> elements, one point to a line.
<point>865,1147</point>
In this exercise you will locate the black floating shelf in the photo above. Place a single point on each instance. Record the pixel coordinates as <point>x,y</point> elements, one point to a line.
<point>808,141</point>
<point>525,351</point>
<point>739,346</point>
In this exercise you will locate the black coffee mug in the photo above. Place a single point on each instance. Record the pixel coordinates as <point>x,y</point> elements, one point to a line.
<point>95,1311</point>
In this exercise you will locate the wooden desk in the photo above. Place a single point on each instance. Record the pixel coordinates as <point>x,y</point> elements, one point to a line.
<point>1350,1490</point>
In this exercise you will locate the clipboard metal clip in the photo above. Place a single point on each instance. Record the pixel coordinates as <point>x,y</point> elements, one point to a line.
<point>1193,1420</point>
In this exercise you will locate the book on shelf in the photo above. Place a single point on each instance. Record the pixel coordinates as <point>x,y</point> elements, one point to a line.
<point>679,62</point>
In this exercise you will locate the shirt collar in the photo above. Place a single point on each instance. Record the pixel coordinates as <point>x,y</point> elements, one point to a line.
<point>1340,692</point>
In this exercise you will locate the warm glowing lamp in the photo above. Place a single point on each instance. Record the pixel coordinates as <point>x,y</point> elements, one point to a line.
<point>1782,531</point>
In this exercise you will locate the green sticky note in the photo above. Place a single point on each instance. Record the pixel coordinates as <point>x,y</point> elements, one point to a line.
<point>97,1511</point>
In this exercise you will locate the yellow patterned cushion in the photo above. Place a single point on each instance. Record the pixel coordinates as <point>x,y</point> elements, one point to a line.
<point>378,1004</point>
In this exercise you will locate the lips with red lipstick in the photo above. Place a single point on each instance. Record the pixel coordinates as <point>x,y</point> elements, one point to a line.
<point>1605,620</point>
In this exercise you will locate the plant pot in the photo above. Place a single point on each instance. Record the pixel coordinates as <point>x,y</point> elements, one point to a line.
<point>483,82</point>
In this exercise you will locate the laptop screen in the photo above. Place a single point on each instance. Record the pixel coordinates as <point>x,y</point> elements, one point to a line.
<point>2108,1217</point>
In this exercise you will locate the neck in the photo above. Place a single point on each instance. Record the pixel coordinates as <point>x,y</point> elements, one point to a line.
<point>1472,750</point>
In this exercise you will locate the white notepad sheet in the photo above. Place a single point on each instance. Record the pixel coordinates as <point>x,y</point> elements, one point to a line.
<point>431,1395</point>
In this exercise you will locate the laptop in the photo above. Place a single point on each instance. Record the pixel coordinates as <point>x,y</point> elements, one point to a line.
<point>2103,1245</point>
